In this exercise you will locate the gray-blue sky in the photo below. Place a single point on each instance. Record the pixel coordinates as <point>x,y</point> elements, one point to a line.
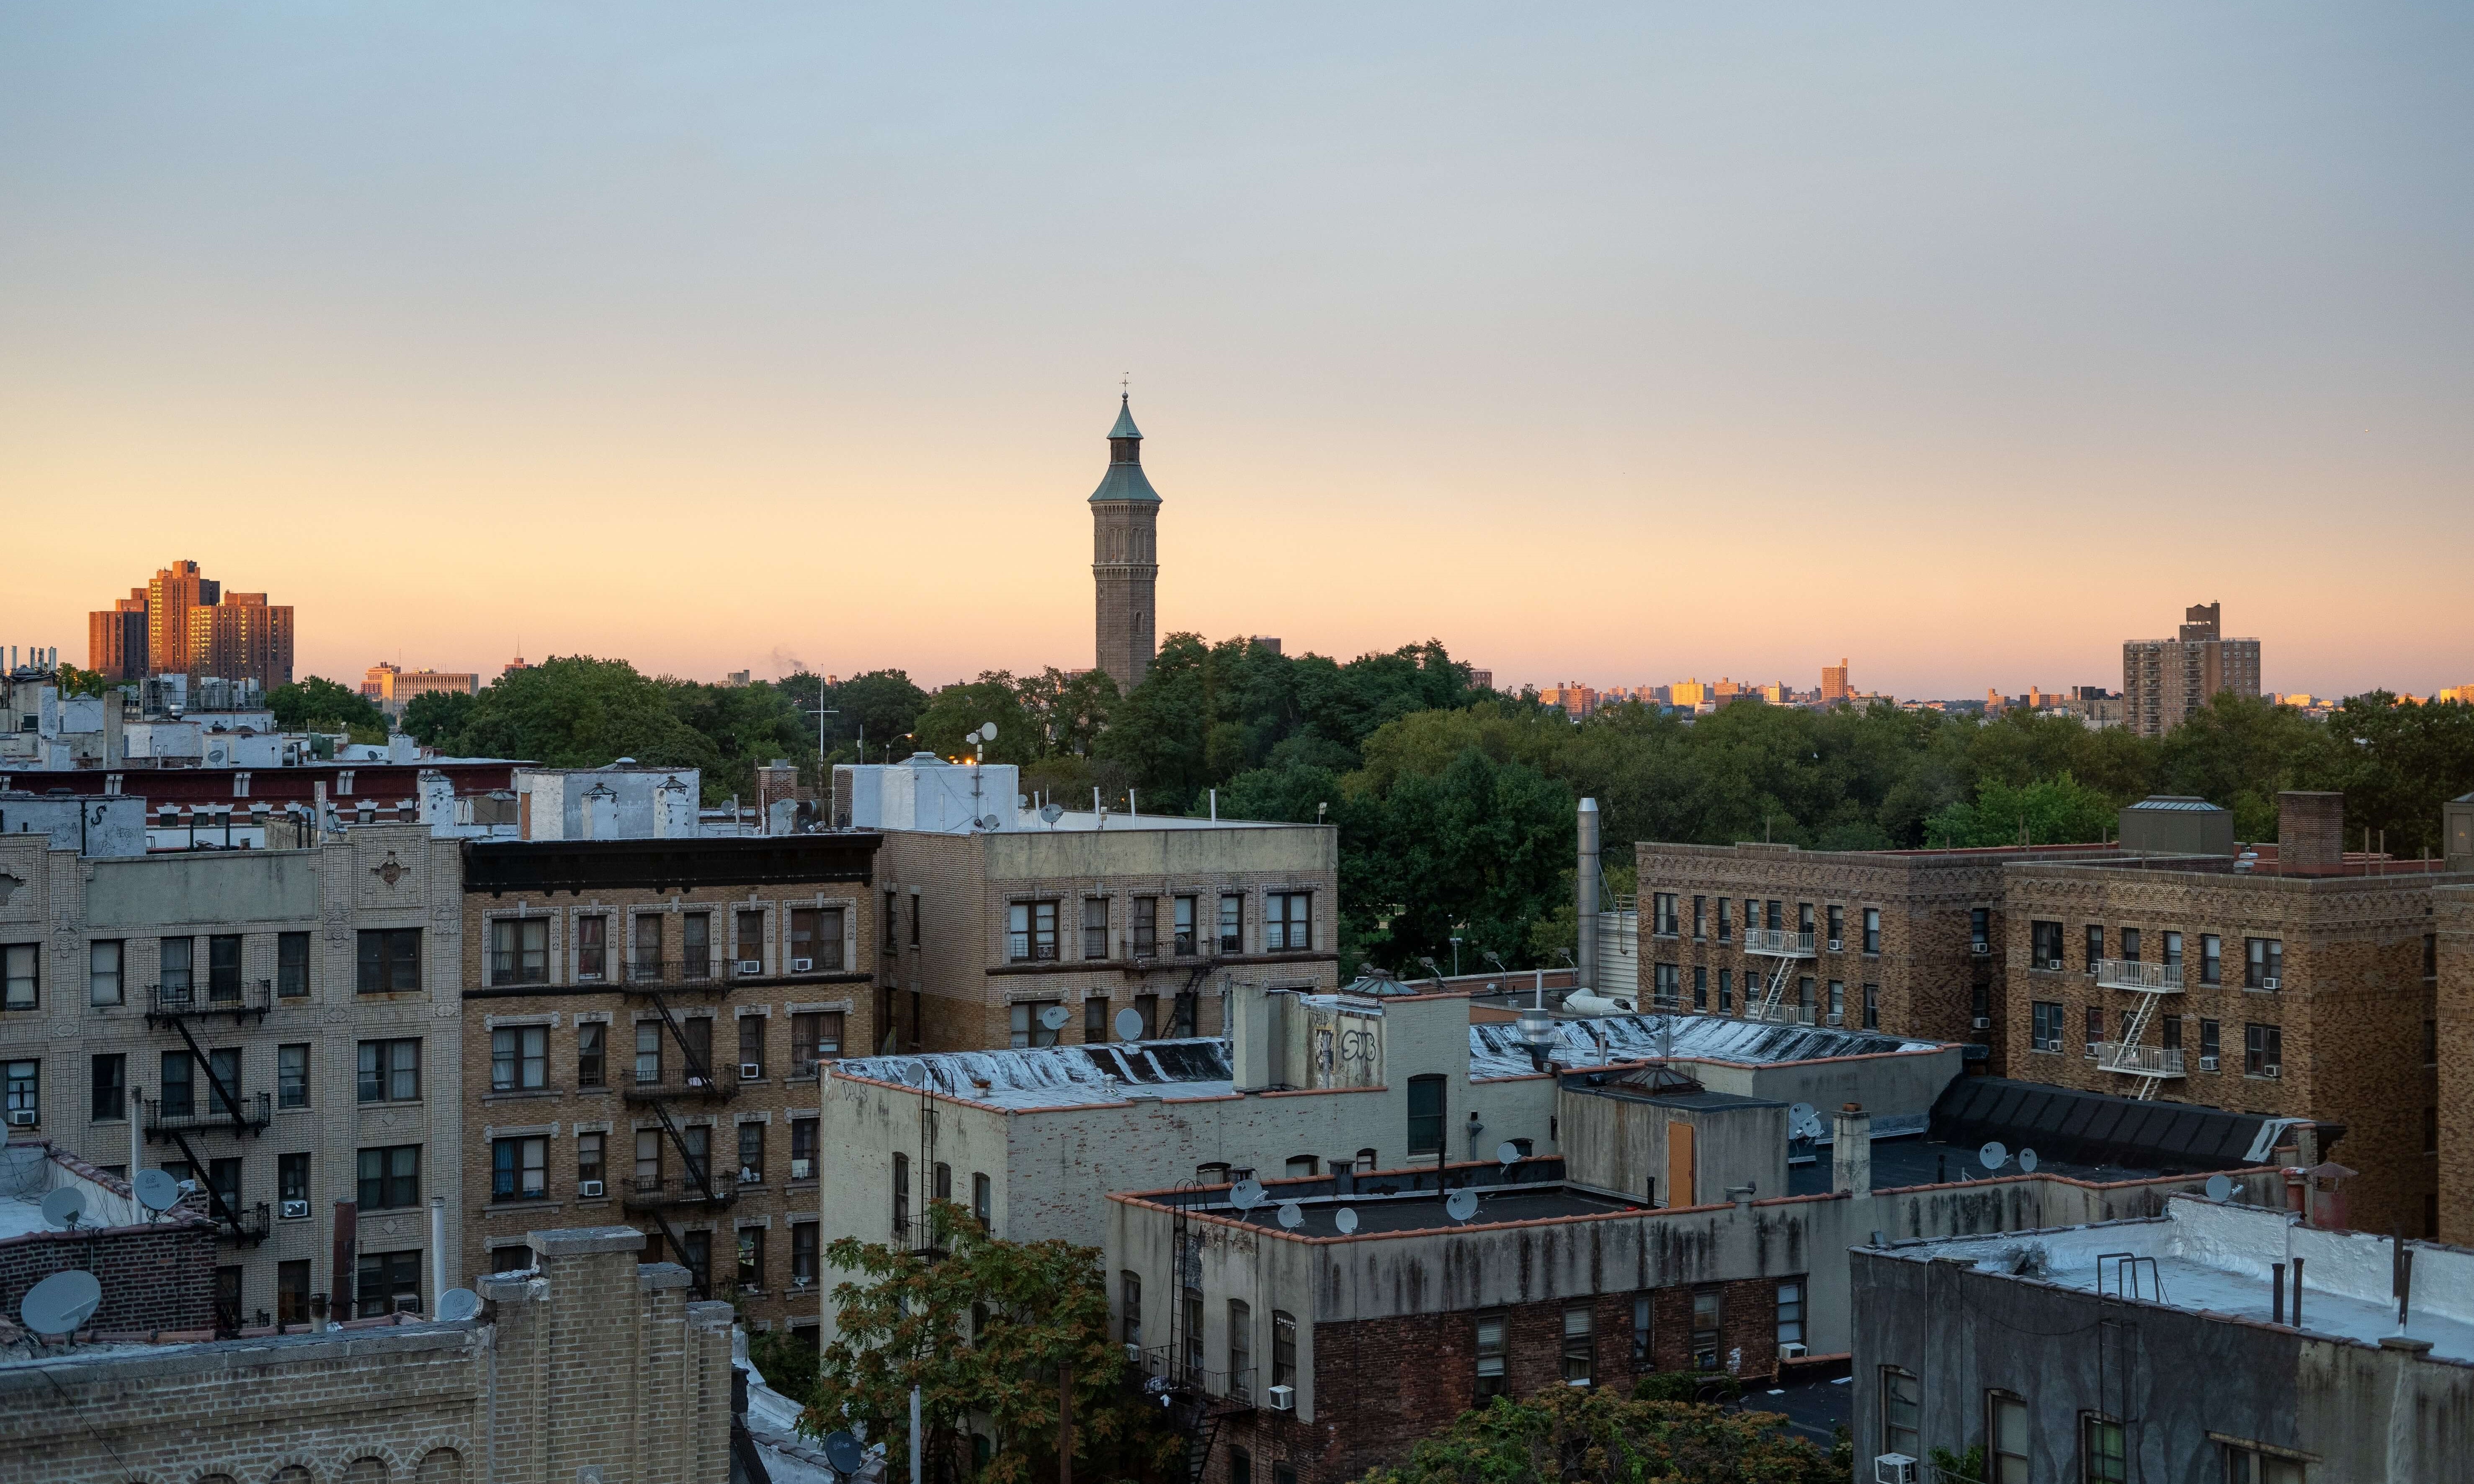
<point>1617,342</point>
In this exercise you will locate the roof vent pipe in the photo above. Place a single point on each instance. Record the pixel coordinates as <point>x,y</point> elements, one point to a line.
<point>1585,887</point>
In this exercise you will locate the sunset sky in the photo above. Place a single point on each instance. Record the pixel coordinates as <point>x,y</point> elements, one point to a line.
<point>1623,343</point>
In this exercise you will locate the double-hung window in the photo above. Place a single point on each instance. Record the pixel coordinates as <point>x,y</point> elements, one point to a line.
<point>816,940</point>
<point>390,1070</point>
<point>1902,1412</point>
<point>519,1058</point>
<point>103,986</point>
<point>1095,928</point>
<point>20,969</point>
<point>1031,932</point>
<point>519,950</point>
<point>1493,1346</point>
<point>291,965</point>
<point>2266,966</point>
<point>388,960</point>
<point>520,1168</point>
<point>1580,1346</point>
<point>390,1177</point>
<point>1232,923</point>
<point>1288,923</point>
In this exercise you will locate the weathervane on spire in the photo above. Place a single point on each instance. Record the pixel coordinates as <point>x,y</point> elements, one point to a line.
<point>1126,386</point>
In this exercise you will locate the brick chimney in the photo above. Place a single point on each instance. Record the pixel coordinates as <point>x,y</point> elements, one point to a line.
<point>2310,833</point>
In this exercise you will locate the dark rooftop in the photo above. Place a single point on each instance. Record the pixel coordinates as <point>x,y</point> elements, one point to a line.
<point>1422,1211</point>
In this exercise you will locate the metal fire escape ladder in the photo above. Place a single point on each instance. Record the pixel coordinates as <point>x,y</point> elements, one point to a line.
<point>228,1097</point>
<point>1776,990</point>
<point>2132,1037</point>
<point>678,1249</point>
<point>699,1171</point>
<point>698,1074</point>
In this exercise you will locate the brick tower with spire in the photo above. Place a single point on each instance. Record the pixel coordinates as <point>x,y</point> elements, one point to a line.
<point>1125,556</point>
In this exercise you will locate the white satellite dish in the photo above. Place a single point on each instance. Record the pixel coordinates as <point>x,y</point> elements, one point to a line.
<point>1993,1155</point>
<point>914,1075</point>
<point>1291,1215</point>
<point>1129,1024</point>
<point>1345,1220</point>
<point>458,1303</point>
<point>63,1206</point>
<point>1054,1017</point>
<point>1245,1194</point>
<point>1460,1204</point>
<point>62,1303</point>
<point>157,1190</point>
<point>2027,1161</point>
<point>2220,1188</point>
<point>1507,1153</point>
<point>987,732</point>
<point>1052,811</point>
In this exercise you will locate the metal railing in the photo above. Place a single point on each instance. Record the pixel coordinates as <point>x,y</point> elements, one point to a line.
<point>2121,973</point>
<point>205,1110</point>
<point>249,996</point>
<point>248,1224</point>
<point>675,1080</point>
<point>644,970</point>
<point>2114,1056</point>
<point>654,1194</point>
<point>1778,940</point>
<point>1159,1368</point>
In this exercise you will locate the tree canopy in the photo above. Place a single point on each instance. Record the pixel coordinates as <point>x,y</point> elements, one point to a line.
<point>1584,1435</point>
<point>321,705</point>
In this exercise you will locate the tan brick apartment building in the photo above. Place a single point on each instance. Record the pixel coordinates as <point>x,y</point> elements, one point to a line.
<point>644,1022</point>
<point>1903,942</point>
<point>210,1012</point>
<point>2453,950</point>
<point>981,930</point>
<point>2299,984</point>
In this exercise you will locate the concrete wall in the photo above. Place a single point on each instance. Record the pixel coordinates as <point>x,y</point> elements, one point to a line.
<point>1888,1085</point>
<point>97,824</point>
<point>1616,1141</point>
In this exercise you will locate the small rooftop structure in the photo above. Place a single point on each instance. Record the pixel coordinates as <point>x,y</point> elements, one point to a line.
<point>927,793</point>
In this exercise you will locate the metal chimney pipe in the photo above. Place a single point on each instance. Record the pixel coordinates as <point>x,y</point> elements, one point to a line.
<point>1585,887</point>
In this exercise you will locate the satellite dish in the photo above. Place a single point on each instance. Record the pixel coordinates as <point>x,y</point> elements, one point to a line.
<point>2027,1161</point>
<point>987,732</point>
<point>1345,1220</point>
<point>844,1453</point>
<point>157,1190</point>
<point>2220,1188</point>
<point>62,1303</point>
<point>1054,1017</point>
<point>1245,1194</point>
<point>1460,1204</point>
<point>1993,1155</point>
<point>1291,1216</point>
<point>63,1206</point>
<point>1052,811</point>
<point>914,1075</point>
<point>458,1303</point>
<point>1129,1024</point>
<point>1507,1153</point>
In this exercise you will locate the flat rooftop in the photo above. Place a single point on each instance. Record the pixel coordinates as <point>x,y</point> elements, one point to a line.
<point>2217,1259</point>
<point>1039,1077</point>
<point>1390,1202</point>
<point>1496,1050</point>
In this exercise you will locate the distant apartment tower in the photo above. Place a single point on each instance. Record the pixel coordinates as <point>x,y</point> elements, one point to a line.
<point>2164,680</point>
<point>242,637</point>
<point>181,623</point>
<point>1576,700</point>
<point>394,688</point>
<point>1834,684</point>
<point>1125,557</point>
<point>115,639</point>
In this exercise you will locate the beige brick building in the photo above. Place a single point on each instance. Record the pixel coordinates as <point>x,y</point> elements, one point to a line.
<point>644,1025</point>
<point>210,1012</point>
<point>1903,942</point>
<point>2451,923</point>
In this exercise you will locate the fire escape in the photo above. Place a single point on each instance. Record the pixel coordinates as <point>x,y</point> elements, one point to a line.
<point>1792,949</point>
<point>227,1108</point>
<point>1196,1399</point>
<point>681,1073</point>
<point>2132,1056</point>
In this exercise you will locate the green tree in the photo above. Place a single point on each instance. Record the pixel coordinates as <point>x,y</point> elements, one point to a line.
<point>437,719</point>
<point>74,682</point>
<point>2397,764</point>
<point>1585,1435</point>
<point>577,711</point>
<point>982,1331</point>
<point>321,705</point>
<point>2048,811</point>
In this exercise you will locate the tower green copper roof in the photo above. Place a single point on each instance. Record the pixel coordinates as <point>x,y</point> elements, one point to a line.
<point>1125,479</point>
<point>1125,427</point>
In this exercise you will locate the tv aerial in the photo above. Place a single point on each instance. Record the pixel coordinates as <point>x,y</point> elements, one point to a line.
<point>457,1303</point>
<point>63,1207</point>
<point>1245,1194</point>
<point>1460,1204</point>
<point>844,1452</point>
<point>1993,1155</point>
<point>62,1303</point>
<point>1054,1017</point>
<point>1291,1215</point>
<point>1345,1220</point>
<point>1129,1024</point>
<point>156,1189</point>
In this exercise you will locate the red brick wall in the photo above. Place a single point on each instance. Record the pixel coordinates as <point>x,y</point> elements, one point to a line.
<point>154,1277</point>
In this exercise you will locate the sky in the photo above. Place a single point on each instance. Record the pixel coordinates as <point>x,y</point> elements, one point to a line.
<point>1621,343</point>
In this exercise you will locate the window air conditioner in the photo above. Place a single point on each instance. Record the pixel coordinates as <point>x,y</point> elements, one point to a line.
<point>2056,965</point>
<point>2268,982</point>
<point>1837,947</point>
<point>1837,1017</point>
<point>750,1071</point>
<point>1983,1022</point>
<point>802,965</point>
<point>1284,1399</point>
<point>295,1210</point>
<point>750,965</point>
<point>2207,1063</point>
<point>1980,949</point>
<point>803,1169</point>
<point>22,1118</point>
<point>588,1187</point>
<point>2274,1070</point>
<point>1894,1468</point>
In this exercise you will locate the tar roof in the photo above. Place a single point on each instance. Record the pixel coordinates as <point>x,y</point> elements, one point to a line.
<point>1381,1215</point>
<point>1062,1076</point>
<point>1496,1050</point>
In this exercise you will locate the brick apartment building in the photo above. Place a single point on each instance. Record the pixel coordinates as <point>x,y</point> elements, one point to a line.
<point>2164,680</point>
<point>212,1013</point>
<point>2452,950</point>
<point>1903,941</point>
<point>158,1269</point>
<point>981,930</point>
<point>2299,983</point>
<point>644,1022</point>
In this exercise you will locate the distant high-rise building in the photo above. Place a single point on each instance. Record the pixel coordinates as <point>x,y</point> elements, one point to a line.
<point>1834,684</point>
<point>394,688</point>
<point>1125,560</point>
<point>115,639</point>
<point>2164,680</point>
<point>181,623</point>
<point>242,639</point>
<point>174,590</point>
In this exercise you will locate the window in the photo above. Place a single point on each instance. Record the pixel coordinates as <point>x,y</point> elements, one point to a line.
<point>591,1150</point>
<point>804,1253</point>
<point>648,1052</point>
<point>2246,1464</point>
<point>2130,945</point>
<point>1284,1348</point>
<point>751,1257</point>
<point>2173,1028</point>
<point>2094,946</point>
<point>1425,1115</point>
<point>1147,1008</point>
<point>983,1200</point>
<point>814,1037</point>
<point>751,1046</point>
<point>1663,983</point>
<point>1979,929</point>
<point>1872,929</point>
<point>2266,968</point>
<point>18,971</point>
<point>519,1058</point>
<point>1580,1350</point>
<point>1804,917</point>
<point>1640,1333</point>
<point>1726,929</point>
<point>390,1177</point>
<point>696,1255</point>
<point>1700,987</point>
<point>593,1055</point>
<point>2173,952</point>
<point>519,1169</point>
<point>223,1069</point>
<point>1301,1166</point>
<point>1662,914</point>
<point>1288,923</point>
<point>695,1033</point>
<point>914,918</point>
<point>649,1160</point>
<point>103,973</point>
<point>173,964</point>
<point>1095,1019</point>
<point>1700,913</point>
<point>1029,1028</point>
<point>1707,1313</point>
<point>390,960</point>
<point>1095,928</point>
<point>901,1195</point>
<point>178,1084</point>
<point>1902,1403</point>
<point>591,948</point>
<point>390,1071</point>
<point>292,1292</point>
<point>225,1176</point>
<point>646,961</point>
<point>1837,1003</point>
<point>2212,959</point>
<point>817,938</point>
<point>1192,1300</point>
<point>292,1075</point>
<point>751,1154</point>
<point>1241,1351</point>
<point>2095,1028</point>
<point>1130,1307</point>
<point>695,945</point>
<point>1838,924</point>
<point>2431,955</point>
<point>1872,1007</point>
<point>1241,1467</point>
<point>291,965</point>
<point>2101,1450</point>
<point>1182,924</point>
<point>2263,1050</point>
<point>2006,1427</point>
<point>1146,927</point>
<point>1774,918</point>
<point>1790,1312</point>
<point>292,1179</point>
<point>519,951</point>
<point>110,1101</point>
<point>223,967</point>
<point>1232,924</point>
<point>1032,934</point>
<point>2044,944</point>
<point>747,938</point>
<point>1726,991</point>
<point>388,1282</point>
<point>2207,1045</point>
